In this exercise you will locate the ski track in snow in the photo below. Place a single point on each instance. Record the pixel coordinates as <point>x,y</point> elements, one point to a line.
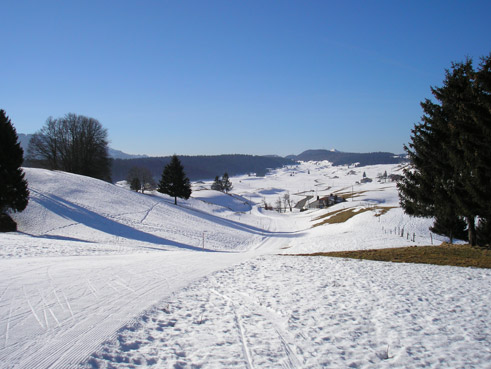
<point>290,312</point>
<point>64,330</point>
<point>107,278</point>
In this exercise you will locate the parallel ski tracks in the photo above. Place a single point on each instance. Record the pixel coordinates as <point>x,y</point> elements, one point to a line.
<point>292,361</point>
<point>57,311</point>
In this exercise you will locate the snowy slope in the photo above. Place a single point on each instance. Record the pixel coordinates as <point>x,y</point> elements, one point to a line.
<point>121,255</point>
<point>69,207</point>
<point>94,263</point>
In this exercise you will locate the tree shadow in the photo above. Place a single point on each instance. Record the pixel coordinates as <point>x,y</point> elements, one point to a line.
<point>78,214</point>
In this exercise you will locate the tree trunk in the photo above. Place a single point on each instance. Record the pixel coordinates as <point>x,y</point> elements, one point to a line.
<point>175,200</point>
<point>471,230</point>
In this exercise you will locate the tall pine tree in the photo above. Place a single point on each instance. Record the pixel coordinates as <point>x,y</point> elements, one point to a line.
<point>450,152</point>
<point>174,181</point>
<point>14,194</point>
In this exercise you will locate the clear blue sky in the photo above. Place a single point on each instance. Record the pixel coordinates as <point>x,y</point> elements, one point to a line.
<point>251,77</point>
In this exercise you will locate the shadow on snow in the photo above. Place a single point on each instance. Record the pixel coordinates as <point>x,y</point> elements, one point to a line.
<point>78,214</point>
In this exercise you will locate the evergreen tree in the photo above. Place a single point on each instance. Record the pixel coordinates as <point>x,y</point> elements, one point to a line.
<point>226,183</point>
<point>451,226</point>
<point>174,181</point>
<point>14,194</point>
<point>450,155</point>
<point>217,184</point>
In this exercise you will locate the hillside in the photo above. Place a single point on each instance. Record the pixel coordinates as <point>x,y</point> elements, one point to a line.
<point>102,277</point>
<point>349,158</point>
<point>65,206</point>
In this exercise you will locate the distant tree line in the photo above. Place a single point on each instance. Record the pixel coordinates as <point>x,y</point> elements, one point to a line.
<point>450,153</point>
<point>202,167</point>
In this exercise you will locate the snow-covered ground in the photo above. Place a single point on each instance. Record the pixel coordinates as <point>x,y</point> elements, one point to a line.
<point>308,312</point>
<point>102,277</point>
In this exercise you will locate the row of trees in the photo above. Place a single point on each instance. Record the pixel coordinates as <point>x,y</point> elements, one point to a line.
<point>281,204</point>
<point>450,153</point>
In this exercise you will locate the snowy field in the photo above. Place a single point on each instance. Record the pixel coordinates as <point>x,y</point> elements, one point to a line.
<point>290,312</point>
<point>101,277</point>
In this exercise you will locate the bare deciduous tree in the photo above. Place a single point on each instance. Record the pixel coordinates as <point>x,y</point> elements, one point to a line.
<point>287,201</point>
<point>73,143</point>
<point>144,177</point>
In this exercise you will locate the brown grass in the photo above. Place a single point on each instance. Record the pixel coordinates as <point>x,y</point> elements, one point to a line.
<point>342,215</point>
<point>383,209</point>
<point>349,195</point>
<point>447,254</point>
<point>328,214</point>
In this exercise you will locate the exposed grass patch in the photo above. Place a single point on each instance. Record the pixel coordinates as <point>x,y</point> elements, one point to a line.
<point>447,254</point>
<point>349,195</point>
<point>323,216</point>
<point>383,209</point>
<point>342,215</point>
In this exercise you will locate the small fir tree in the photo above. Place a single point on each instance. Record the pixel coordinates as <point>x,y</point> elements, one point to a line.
<point>226,183</point>
<point>14,194</point>
<point>217,184</point>
<point>174,181</point>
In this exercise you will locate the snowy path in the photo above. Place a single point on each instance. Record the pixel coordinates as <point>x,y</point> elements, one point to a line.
<point>56,311</point>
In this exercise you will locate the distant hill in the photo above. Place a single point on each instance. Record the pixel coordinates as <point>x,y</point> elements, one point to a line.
<point>203,167</point>
<point>348,158</point>
<point>24,141</point>
<point>118,154</point>
<point>207,167</point>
